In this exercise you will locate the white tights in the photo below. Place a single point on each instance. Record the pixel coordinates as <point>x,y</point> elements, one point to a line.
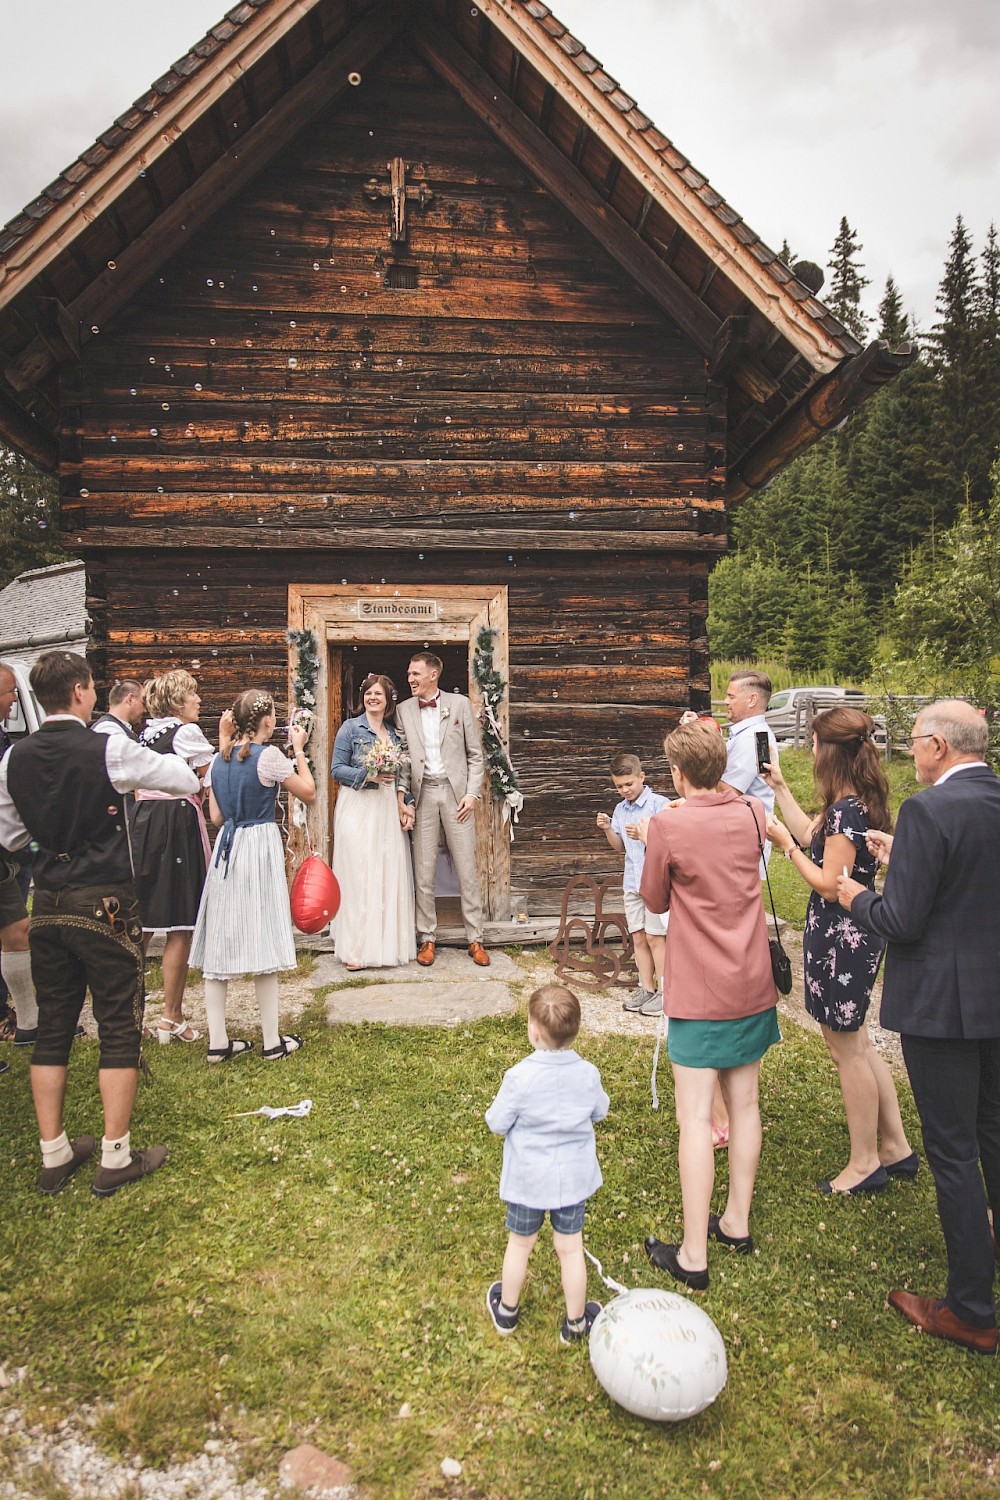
<point>266,989</point>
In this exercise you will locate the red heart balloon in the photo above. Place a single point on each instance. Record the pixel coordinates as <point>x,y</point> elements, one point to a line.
<point>315,895</point>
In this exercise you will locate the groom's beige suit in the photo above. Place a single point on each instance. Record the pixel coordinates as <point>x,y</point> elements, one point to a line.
<point>436,797</point>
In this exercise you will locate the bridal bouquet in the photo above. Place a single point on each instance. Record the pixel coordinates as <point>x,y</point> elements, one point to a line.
<point>383,758</point>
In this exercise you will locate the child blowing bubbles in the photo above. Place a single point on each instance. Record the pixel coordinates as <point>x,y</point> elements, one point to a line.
<point>545,1110</point>
<point>623,833</point>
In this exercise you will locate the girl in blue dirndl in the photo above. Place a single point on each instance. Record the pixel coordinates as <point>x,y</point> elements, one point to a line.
<point>244,923</point>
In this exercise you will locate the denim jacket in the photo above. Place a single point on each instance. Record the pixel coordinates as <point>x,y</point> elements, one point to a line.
<point>355,738</point>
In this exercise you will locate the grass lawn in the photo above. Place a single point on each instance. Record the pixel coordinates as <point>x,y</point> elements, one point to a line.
<point>301,1279</point>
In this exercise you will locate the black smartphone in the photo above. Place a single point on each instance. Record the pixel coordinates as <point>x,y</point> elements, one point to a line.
<point>763,742</point>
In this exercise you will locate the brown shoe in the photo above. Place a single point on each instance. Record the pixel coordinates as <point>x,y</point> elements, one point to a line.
<point>108,1180</point>
<point>51,1179</point>
<point>479,955</point>
<point>426,954</point>
<point>936,1317</point>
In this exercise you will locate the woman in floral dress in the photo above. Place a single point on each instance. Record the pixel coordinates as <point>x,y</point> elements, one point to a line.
<point>841,958</point>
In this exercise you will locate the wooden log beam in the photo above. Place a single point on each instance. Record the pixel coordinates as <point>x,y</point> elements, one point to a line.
<point>59,330</point>
<point>227,175</point>
<point>28,436</point>
<point>855,382</point>
<point>548,164</point>
<point>394,538</point>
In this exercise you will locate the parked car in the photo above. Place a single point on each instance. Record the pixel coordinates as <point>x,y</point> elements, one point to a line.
<point>787,708</point>
<point>787,713</point>
<point>26,713</point>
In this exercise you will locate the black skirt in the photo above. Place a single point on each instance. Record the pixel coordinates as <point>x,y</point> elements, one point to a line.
<point>168,857</point>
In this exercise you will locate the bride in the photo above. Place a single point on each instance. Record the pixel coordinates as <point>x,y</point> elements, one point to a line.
<point>374,927</point>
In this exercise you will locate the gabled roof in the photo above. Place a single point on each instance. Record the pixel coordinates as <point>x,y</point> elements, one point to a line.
<point>90,240</point>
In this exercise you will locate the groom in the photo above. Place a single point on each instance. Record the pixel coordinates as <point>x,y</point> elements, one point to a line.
<point>440,784</point>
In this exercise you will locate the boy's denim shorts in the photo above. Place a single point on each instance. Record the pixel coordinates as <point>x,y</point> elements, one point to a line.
<point>526,1221</point>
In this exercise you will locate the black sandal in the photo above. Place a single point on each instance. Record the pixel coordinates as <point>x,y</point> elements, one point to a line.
<point>232,1049</point>
<point>286,1046</point>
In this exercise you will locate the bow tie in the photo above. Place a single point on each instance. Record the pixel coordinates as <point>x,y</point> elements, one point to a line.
<point>429,702</point>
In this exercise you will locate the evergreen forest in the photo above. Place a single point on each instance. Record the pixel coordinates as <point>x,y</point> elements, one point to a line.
<point>874,558</point>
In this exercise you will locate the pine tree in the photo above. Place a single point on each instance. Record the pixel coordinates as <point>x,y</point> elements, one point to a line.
<point>847,282</point>
<point>850,634</point>
<point>28,516</point>
<point>893,324</point>
<point>966,423</point>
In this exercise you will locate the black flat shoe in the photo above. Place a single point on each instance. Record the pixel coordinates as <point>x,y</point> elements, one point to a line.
<point>664,1258</point>
<point>905,1167</point>
<point>741,1243</point>
<point>873,1183</point>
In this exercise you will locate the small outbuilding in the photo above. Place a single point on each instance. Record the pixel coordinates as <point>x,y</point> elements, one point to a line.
<point>395,322</point>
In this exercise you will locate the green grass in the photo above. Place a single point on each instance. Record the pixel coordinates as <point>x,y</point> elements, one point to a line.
<point>302,1279</point>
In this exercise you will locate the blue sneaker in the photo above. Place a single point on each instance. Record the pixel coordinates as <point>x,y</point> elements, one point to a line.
<point>503,1322</point>
<point>571,1333</point>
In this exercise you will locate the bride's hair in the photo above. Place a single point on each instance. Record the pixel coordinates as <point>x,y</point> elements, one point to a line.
<point>389,689</point>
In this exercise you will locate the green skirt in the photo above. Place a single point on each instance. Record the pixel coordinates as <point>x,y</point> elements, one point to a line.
<point>722,1044</point>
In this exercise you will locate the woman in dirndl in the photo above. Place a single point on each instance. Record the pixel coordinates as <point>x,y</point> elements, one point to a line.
<point>244,922</point>
<point>170,842</point>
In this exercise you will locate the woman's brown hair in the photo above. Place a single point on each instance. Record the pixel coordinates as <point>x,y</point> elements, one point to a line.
<point>847,763</point>
<point>389,689</point>
<point>248,710</point>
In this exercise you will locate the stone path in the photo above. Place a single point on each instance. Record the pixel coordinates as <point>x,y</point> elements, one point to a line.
<point>451,991</point>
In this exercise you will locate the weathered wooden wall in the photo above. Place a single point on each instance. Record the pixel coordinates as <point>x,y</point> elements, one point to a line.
<point>270,412</point>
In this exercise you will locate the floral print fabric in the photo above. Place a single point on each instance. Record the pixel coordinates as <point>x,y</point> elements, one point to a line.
<point>841,958</point>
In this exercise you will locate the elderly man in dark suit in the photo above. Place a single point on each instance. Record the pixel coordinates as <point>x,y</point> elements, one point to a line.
<point>940,916</point>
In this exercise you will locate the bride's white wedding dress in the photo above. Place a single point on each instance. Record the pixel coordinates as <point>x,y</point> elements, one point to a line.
<point>374,927</point>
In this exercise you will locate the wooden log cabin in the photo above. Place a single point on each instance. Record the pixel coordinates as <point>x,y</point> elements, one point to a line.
<point>391,319</point>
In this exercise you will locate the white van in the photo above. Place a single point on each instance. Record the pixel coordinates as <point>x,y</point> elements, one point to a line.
<point>26,713</point>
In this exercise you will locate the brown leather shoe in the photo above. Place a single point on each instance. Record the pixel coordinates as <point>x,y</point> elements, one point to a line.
<point>425,955</point>
<point>479,955</point>
<point>936,1317</point>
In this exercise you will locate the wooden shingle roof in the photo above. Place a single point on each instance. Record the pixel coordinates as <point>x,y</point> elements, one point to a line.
<point>77,253</point>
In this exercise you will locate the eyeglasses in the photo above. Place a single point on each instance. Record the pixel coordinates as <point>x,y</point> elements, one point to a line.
<point>912,737</point>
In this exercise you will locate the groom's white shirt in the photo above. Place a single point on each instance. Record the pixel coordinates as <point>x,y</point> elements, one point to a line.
<point>430,733</point>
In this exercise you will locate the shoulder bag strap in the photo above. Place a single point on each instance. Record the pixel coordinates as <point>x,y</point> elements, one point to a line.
<point>774,915</point>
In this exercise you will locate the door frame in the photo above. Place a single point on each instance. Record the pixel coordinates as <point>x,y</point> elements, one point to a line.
<point>334,613</point>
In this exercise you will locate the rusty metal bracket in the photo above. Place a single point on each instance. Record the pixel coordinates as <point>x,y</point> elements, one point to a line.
<point>596,966</point>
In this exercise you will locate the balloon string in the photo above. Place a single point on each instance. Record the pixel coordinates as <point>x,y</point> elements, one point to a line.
<point>656,1060</point>
<point>609,1281</point>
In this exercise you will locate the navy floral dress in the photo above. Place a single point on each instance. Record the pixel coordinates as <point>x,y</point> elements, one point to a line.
<point>841,958</point>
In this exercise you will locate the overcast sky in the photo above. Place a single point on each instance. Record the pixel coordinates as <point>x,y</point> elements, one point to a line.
<point>798,111</point>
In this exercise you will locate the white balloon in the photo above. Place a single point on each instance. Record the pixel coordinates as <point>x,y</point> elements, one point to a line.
<point>658,1355</point>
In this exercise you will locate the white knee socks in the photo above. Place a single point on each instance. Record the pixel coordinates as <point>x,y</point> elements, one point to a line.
<point>266,989</point>
<point>215,1009</point>
<point>16,969</point>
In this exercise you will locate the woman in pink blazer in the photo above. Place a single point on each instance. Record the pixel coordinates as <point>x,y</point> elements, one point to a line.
<point>702,865</point>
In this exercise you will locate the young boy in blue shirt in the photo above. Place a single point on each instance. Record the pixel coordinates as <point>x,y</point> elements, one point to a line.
<point>545,1110</point>
<point>621,830</point>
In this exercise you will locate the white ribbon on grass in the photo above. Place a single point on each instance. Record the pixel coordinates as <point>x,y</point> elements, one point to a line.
<point>298,1111</point>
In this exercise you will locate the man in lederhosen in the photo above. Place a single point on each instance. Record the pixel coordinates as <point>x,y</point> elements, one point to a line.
<point>63,787</point>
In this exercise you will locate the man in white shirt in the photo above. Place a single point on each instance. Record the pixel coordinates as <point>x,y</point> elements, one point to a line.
<point>747,697</point>
<point>440,784</point>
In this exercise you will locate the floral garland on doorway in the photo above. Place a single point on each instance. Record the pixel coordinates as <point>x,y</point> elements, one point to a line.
<point>304,682</point>
<point>503,777</point>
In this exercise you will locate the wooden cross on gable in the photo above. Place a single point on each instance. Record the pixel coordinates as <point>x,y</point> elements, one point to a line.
<point>397,190</point>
